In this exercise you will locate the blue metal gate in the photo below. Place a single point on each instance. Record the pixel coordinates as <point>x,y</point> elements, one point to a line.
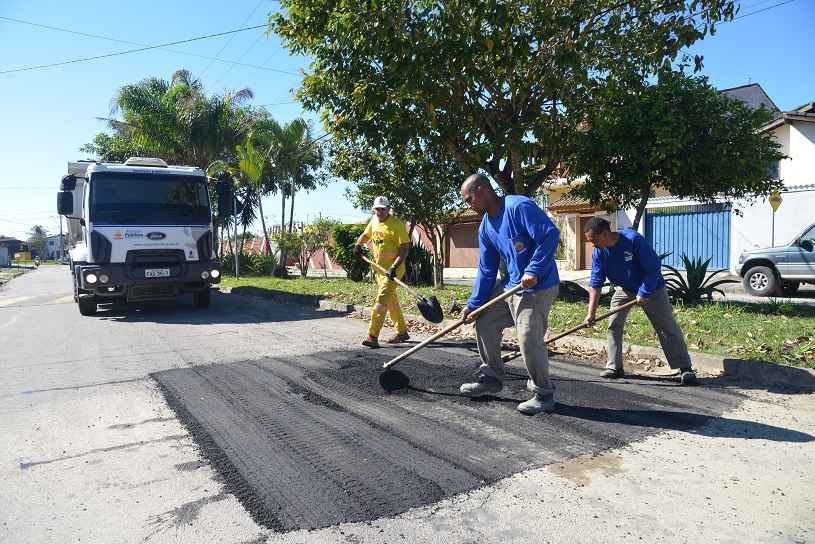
<point>697,231</point>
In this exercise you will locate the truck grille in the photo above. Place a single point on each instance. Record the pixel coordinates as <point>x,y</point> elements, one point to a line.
<point>147,292</point>
<point>140,260</point>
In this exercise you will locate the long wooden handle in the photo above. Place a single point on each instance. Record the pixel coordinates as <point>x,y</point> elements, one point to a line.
<point>511,356</point>
<point>384,272</point>
<point>472,315</point>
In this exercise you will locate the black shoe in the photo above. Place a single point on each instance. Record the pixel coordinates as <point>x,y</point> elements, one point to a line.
<point>612,373</point>
<point>687,376</point>
<point>371,342</point>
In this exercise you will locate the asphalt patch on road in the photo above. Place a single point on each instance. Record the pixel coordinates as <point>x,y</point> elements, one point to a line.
<point>312,441</point>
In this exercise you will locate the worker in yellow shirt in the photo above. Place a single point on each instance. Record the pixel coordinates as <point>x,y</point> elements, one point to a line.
<point>390,245</point>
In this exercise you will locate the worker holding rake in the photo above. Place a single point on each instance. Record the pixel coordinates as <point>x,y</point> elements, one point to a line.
<point>626,259</point>
<point>517,230</point>
<point>390,245</point>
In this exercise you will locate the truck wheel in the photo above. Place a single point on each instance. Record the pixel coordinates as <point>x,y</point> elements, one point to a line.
<point>761,281</point>
<point>201,298</point>
<point>87,305</point>
<point>791,287</point>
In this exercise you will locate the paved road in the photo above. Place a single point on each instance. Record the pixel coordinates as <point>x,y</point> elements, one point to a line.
<point>256,422</point>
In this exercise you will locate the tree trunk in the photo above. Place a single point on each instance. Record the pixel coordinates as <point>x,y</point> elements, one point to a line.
<point>438,256</point>
<point>291,209</point>
<point>644,196</point>
<point>243,239</point>
<point>263,224</point>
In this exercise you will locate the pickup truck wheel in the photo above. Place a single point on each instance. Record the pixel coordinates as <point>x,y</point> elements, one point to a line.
<point>87,305</point>
<point>761,281</point>
<point>201,299</point>
<point>791,287</point>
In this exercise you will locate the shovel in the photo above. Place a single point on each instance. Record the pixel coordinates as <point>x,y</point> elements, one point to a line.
<point>391,380</point>
<point>430,309</point>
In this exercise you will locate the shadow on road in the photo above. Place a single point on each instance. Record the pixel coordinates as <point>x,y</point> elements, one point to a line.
<point>705,425</point>
<point>222,311</point>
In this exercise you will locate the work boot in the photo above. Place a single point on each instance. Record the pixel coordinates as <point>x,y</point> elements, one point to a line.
<point>612,373</point>
<point>371,342</point>
<point>540,402</point>
<point>484,386</point>
<point>398,338</point>
<point>687,376</point>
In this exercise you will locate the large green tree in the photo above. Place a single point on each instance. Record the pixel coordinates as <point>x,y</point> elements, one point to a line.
<point>498,85</point>
<point>36,240</point>
<point>678,134</point>
<point>421,185</point>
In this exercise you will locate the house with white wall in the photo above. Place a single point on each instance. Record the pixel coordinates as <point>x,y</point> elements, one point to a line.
<point>722,230</point>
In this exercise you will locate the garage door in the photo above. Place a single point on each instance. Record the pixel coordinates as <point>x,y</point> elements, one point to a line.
<point>697,231</point>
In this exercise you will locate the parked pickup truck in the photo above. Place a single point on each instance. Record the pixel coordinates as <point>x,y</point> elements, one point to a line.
<point>780,270</point>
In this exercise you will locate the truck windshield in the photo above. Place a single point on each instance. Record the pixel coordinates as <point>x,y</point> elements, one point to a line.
<point>149,199</point>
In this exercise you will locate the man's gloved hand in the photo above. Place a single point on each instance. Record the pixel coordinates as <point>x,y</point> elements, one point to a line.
<point>392,272</point>
<point>358,250</point>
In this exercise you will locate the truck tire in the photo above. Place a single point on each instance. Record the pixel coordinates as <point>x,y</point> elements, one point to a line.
<point>761,281</point>
<point>87,305</point>
<point>201,298</point>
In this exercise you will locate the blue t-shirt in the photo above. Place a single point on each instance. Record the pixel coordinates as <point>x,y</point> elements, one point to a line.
<point>630,263</point>
<point>524,236</point>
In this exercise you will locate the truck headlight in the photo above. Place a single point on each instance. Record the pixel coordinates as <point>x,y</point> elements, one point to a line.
<point>215,273</point>
<point>104,278</point>
<point>204,275</point>
<point>91,278</point>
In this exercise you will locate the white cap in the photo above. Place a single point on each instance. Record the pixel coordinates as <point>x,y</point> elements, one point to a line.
<point>381,202</point>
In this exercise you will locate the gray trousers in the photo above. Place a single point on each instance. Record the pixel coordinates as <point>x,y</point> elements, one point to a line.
<point>660,314</point>
<point>529,312</point>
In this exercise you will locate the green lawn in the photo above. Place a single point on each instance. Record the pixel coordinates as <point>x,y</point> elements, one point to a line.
<point>779,333</point>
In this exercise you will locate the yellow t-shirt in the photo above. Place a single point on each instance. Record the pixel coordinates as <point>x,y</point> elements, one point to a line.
<point>386,237</point>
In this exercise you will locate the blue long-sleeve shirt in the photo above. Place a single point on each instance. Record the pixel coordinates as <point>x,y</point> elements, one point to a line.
<point>630,263</point>
<point>524,236</point>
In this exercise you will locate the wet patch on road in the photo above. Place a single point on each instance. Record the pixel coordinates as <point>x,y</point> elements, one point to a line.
<point>313,441</point>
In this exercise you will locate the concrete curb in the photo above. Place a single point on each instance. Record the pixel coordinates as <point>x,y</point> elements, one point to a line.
<point>754,372</point>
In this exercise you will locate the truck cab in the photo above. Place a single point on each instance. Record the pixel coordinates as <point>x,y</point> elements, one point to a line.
<point>141,230</point>
<point>780,270</point>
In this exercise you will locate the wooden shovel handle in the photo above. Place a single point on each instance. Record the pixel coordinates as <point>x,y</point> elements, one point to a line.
<point>384,272</point>
<point>511,356</point>
<point>472,315</point>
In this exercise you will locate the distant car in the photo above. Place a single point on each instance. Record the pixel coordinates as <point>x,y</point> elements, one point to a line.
<point>780,270</point>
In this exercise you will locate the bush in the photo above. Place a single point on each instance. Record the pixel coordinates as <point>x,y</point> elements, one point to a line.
<point>345,237</point>
<point>419,266</point>
<point>697,284</point>
<point>254,264</point>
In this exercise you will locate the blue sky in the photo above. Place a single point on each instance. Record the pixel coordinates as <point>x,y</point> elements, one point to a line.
<point>47,114</point>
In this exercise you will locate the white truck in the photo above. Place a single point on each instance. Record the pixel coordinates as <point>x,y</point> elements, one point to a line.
<point>138,231</point>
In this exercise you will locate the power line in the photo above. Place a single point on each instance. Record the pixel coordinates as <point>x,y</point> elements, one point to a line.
<point>148,48</point>
<point>221,50</point>
<point>126,42</point>
<point>762,9</point>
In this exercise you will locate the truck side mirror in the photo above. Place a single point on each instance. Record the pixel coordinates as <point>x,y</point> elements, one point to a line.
<point>807,245</point>
<point>68,183</point>
<point>226,199</point>
<point>65,202</point>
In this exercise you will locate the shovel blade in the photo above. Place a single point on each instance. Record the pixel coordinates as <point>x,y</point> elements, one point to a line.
<point>430,309</point>
<point>393,380</point>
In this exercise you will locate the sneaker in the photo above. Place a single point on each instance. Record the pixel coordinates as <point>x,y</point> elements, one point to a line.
<point>612,373</point>
<point>484,386</point>
<point>537,404</point>
<point>371,342</point>
<point>687,376</point>
<point>398,338</point>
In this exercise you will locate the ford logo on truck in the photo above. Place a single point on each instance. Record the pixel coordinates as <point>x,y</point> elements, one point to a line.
<point>156,235</point>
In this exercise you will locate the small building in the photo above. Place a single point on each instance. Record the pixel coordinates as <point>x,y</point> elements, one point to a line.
<point>4,257</point>
<point>13,245</point>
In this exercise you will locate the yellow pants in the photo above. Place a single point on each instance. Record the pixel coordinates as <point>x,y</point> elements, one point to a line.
<point>386,301</point>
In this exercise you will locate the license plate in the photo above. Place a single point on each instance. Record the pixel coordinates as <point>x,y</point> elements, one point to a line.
<point>156,272</point>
